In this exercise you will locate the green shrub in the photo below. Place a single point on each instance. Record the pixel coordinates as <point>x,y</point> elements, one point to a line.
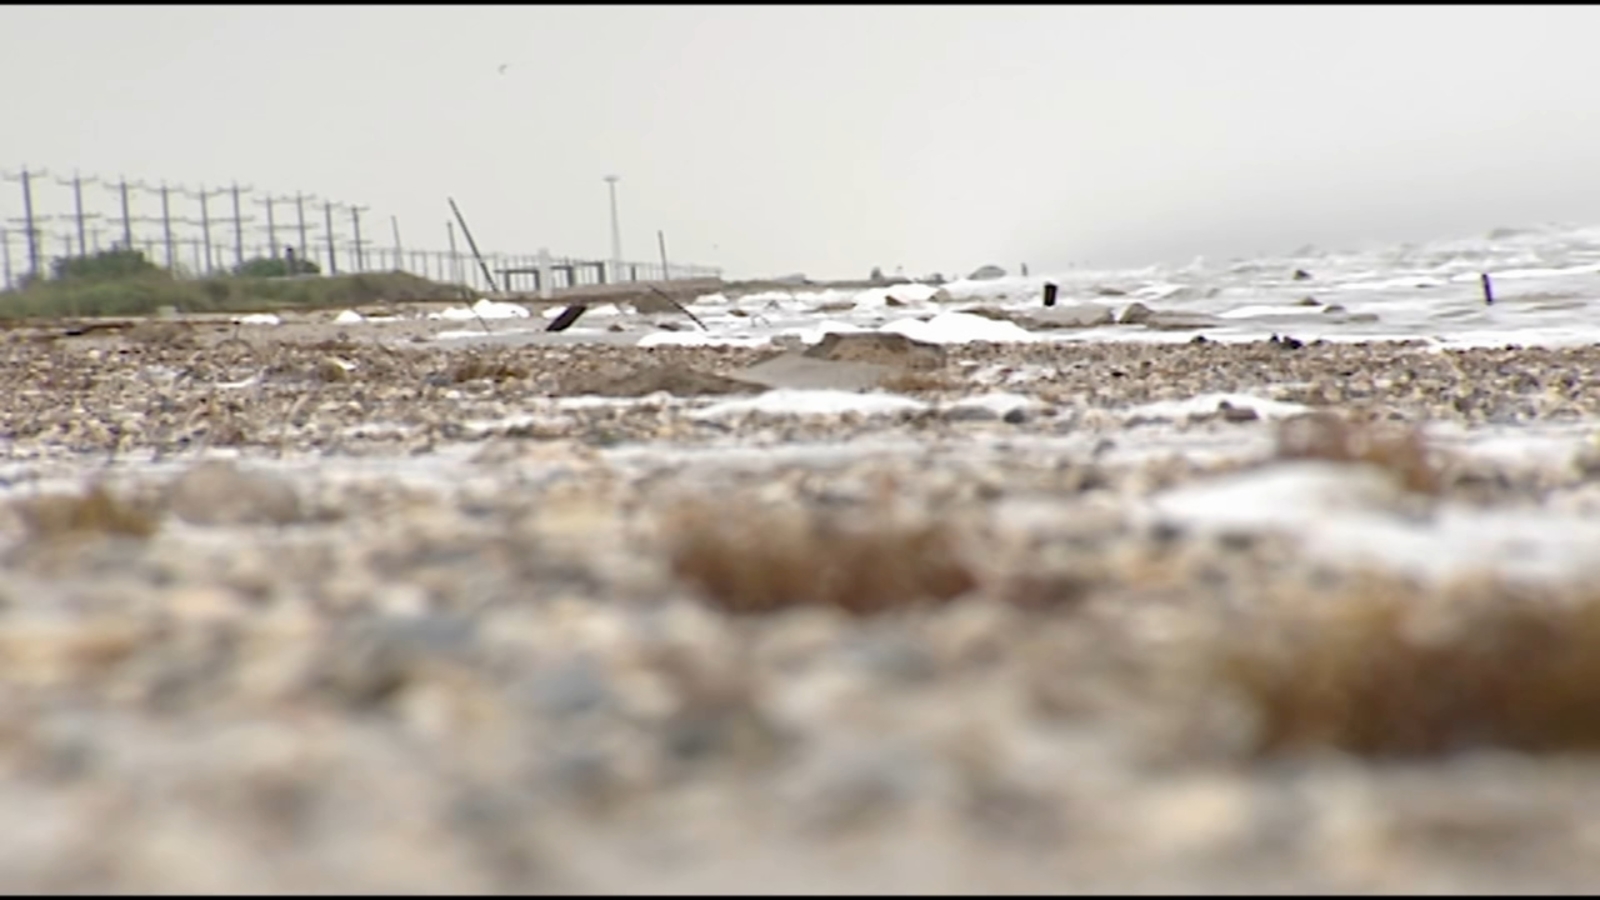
<point>272,267</point>
<point>103,266</point>
<point>145,293</point>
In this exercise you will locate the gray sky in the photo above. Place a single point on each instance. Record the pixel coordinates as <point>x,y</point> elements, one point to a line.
<point>827,140</point>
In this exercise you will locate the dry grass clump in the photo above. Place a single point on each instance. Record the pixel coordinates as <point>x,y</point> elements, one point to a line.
<point>752,560</point>
<point>1399,448</point>
<point>94,512</point>
<point>1367,675</point>
<point>178,335</point>
<point>913,382</point>
<point>477,367</point>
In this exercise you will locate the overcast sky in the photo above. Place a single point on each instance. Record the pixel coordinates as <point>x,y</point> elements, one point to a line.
<point>828,140</point>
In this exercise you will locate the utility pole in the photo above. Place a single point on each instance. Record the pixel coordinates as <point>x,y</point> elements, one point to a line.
<point>327,218</point>
<point>149,249</point>
<point>616,231</point>
<point>300,215</point>
<point>204,262</point>
<point>272,226</point>
<point>36,246</point>
<point>127,220</point>
<point>30,229</point>
<point>238,224</point>
<point>164,192</point>
<point>355,225</point>
<point>205,221</point>
<point>76,183</point>
<point>399,262</point>
<point>455,261</point>
<point>166,227</point>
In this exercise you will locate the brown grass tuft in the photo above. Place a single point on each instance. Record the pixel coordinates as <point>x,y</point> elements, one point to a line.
<point>912,382</point>
<point>1367,678</point>
<point>754,561</point>
<point>1399,448</point>
<point>477,367</point>
<point>94,512</point>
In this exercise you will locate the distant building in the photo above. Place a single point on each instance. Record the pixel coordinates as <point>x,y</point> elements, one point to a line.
<point>987,273</point>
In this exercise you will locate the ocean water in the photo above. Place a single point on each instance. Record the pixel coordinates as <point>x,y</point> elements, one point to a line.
<point>1546,284</point>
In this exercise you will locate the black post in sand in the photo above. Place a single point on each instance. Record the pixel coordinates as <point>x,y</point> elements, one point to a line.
<point>1488,290</point>
<point>1049,293</point>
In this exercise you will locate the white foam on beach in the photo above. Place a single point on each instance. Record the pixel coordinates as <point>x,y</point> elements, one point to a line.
<point>794,402</point>
<point>812,334</point>
<point>1351,514</point>
<point>259,319</point>
<point>1205,404</point>
<point>483,309</point>
<point>1263,310</point>
<point>700,339</point>
<point>961,328</point>
<point>878,298</point>
<point>1541,272</point>
<point>998,402</point>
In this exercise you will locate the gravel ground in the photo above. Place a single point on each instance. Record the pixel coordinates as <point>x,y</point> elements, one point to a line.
<point>315,613</point>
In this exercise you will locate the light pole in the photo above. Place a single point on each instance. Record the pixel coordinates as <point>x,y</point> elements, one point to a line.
<point>616,232</point>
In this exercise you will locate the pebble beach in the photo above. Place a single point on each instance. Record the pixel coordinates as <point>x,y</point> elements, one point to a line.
<point>344,606</point>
